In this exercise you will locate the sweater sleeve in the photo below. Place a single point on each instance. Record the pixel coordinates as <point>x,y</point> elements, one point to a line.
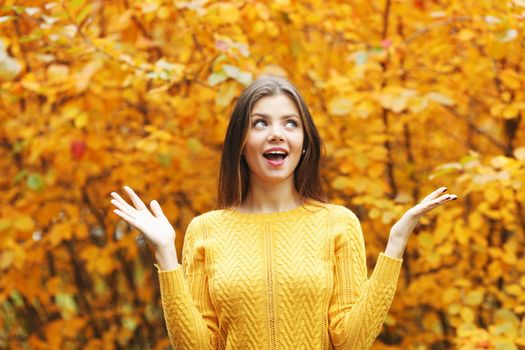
<point>191,320</point>
<point>358,306</point>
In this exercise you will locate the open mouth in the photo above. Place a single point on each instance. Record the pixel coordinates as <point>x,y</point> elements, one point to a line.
<point>275,156</point>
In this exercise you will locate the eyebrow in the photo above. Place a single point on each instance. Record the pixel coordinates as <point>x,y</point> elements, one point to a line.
<point>267,116</point>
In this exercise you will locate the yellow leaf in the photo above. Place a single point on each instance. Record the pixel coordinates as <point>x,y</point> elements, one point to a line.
<point>340,106</point>
<point>147,145</point>
<point>491,195</point>
<point>510,111</point>
<point>497,109</point>
<point>509,257</point>
<point>514,289</point>
<point>395,98</point>
<point>341,183</point>
<point>522,281</point>
<point>9,66</point>
<point>81,231</point>
<point>466,35</point>
<point>258,27</point>
<point>505,345</point>
<point>223,13</point>
<point>475,221</point>
<point>83,77</point>
<point>499,162</point>
<point>262,11</point>
<point>81,120</point>
<point>475,297</point>
<point>462,234</point>
<point>454,309</point>
<point>57,73</point>
<point>388,216</point>
<point>374,213</point>
<point>417,104</point>
<point>440,98</point>
<point>450,295</point>
<point>467,315</point>
<point>425,240</point>
<point>59,232</point>
<point>24,223</point>
<point>505,315</point>
<point>6,259</point>
<point>365,108</point>
<point>272,29</point>
<point>511,79</point>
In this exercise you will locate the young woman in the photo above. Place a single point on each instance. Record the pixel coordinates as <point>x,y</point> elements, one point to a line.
<point>276,266</point>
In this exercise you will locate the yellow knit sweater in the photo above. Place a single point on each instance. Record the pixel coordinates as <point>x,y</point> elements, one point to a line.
<point>288,280</point>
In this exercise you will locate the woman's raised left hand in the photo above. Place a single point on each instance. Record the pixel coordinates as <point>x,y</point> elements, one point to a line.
<point>401,231</point>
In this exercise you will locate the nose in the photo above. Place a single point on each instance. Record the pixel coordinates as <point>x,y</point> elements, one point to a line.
<point>276,134</point>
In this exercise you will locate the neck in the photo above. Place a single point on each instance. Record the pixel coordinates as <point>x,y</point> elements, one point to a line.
<point>265,197</point>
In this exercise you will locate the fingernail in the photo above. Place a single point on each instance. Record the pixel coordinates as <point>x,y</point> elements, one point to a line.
<point>454,198</point>
<point>445,189</point>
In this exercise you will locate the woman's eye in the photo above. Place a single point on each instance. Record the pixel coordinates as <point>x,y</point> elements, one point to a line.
<point>293,122</point>
<point>259,121</point>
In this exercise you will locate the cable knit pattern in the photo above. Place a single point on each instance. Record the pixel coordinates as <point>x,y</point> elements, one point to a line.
<point>289,280</point>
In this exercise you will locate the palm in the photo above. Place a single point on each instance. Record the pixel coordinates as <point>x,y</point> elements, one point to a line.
<point>404,227</point>
<point>433,200</point>
<point>156,227</point>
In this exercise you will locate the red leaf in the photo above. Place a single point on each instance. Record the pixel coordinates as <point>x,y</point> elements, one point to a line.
<point>78,148</point>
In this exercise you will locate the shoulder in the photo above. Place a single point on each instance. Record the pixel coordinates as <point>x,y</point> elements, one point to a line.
<point>340,213</point>
<point>206,218</point>
<point>346,227</point>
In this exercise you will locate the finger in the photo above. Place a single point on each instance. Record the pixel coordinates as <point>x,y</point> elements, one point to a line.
<point>126,217</point>
<point>443,199</point>
<point>122,208</point>
<point>139,204</point>
<point>435,194</point>
<point>122,201</point>
<point>156,209</point>
<point>427,206</point>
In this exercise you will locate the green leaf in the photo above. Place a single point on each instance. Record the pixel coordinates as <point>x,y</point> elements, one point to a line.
<point>66,304</point>
<point>35,35</point>
<point>221,58</point>
<point>74,4</point>
<point>217,78</point>
<point>164,159</point>
<point>19,9</point>
<point>226,94</point>
<point>506,35</point>
<point>84,13</point>
<point>129,323</point>
<point>5,18</point>
<point>18,146</point>
<point>4,224</point>
<point>35,182</point>
<point>244,78</point>
<point>360,57</point>
<point>194,144</point>
<point>20,175</point>
<point>17,298</point>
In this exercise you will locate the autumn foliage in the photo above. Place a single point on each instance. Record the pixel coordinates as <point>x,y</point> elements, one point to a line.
<point>408,95</point>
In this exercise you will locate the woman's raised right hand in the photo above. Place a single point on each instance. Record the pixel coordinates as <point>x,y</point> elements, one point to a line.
<point>155,227</point>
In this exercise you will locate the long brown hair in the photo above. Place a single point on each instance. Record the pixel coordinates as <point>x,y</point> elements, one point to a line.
<point>234,174</point>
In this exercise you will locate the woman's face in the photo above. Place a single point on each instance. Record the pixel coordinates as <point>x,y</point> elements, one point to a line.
<point>275,139</point>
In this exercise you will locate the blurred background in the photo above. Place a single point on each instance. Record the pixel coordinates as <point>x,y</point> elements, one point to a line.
<point>408,95</point>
